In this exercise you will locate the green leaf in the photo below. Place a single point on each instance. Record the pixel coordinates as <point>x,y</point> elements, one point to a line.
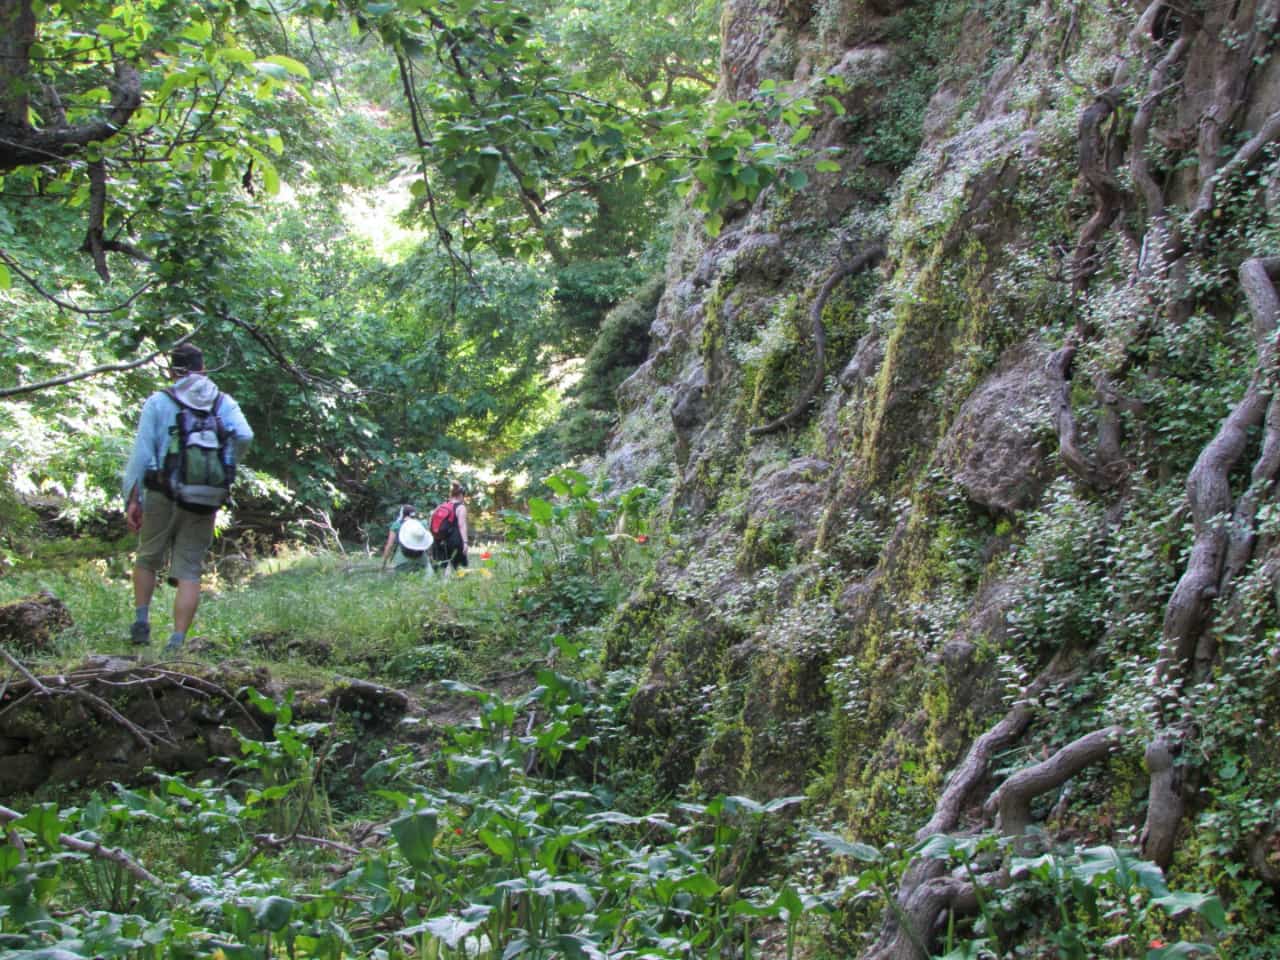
<point>1205,904</point>
<point>540,510</point>
<point>836,106</point>
<point>272,913</point>
<point>6,281</point>
<point>415,832</point>
<point>827,166</point>
<point>236,55</point>
<point>842,847</point>
<point>801,135</point>
<point>43,821</point>
<point>289,64</point>
<point>199,32</point>
<point>270,177</point>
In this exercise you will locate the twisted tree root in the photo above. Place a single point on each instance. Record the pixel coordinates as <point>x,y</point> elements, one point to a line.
<point>1011,802</point>
<point>869,257</point>
<point>1218,551</point>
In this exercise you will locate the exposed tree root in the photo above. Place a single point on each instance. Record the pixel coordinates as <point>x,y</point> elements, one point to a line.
<point>1096,476</point>
<point>1012,801</point>
<point>1218,549</point>
<point>1097,166</point>
<point>925,891</point>
<point>869,257</point>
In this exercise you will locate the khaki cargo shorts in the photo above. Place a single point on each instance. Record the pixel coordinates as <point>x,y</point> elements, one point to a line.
<point>186,536</point>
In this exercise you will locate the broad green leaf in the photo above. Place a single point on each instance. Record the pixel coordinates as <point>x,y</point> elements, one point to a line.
<point>841,846</point>
<point>6,281</point>
<point>540,510</point>
<point>415,832</point>
<point>272,913</point>
<point>200,31</point>
<point>43,821</point>
<point>270,177</point>
<point>1205,904</point>
<point>236,55</point>
<point>289,64</point>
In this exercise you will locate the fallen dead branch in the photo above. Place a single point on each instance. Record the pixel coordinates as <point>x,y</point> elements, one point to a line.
<point>96,850</point>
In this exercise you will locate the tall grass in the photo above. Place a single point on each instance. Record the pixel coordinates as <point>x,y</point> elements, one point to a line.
<point>298,600</point>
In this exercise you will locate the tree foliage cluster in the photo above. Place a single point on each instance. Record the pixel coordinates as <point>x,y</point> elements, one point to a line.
<point>385,222</point>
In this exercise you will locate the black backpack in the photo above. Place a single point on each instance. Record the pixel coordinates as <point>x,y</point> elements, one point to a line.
<point>198,465</point>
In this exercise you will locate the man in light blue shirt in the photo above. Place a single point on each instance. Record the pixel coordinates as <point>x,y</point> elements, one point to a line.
<point>165,529</point>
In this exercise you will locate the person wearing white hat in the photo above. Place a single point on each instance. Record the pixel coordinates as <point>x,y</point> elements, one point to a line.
<point>410,540</point>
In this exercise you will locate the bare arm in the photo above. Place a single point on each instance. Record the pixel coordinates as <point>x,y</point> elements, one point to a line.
<point>391,545</point>
<point>462,526</point>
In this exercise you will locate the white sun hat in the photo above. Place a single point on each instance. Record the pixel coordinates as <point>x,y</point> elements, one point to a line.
<point>413,535</point>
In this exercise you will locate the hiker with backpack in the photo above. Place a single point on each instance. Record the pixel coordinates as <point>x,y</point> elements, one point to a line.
<point>190,438</point>
<point>409,538</point>
<point>448,528</point>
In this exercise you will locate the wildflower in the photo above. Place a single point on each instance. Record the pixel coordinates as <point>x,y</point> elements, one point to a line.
<point>485,556</point>
<point>486,573</point>
<point>1156,944</point>
<point>641,538</point>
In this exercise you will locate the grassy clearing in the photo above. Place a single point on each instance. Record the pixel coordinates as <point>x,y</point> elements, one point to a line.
<point>305,608</point>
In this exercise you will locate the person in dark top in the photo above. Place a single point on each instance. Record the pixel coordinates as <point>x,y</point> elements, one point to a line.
<point>449,530</point>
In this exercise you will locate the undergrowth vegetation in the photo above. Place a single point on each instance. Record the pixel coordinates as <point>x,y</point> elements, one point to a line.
<point>536,828</point>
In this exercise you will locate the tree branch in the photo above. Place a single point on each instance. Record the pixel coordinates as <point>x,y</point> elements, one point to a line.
<point>97,850</point>
<point>13,265</point>
<point>93,371</point>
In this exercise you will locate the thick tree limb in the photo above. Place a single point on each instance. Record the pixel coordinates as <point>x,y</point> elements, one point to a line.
<point>869,257</point>
<point>21,145</point>
<point>1165,802</point>
<point>924,887</point>
<point>96,850</point>
<point>1238,44</point>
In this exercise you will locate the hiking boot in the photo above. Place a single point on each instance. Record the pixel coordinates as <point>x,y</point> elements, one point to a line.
<point>172,647</point>
<point>140,634</point>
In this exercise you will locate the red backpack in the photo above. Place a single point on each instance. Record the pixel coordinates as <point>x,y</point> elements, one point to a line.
<point>444,520</point>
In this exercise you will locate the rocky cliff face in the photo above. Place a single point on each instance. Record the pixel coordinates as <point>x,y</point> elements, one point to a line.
<point>972,442</point>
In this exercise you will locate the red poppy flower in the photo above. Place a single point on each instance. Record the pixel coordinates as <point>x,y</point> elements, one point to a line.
<point>642,539</point>
<point>485,555</point>
<point>1156,944</point>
